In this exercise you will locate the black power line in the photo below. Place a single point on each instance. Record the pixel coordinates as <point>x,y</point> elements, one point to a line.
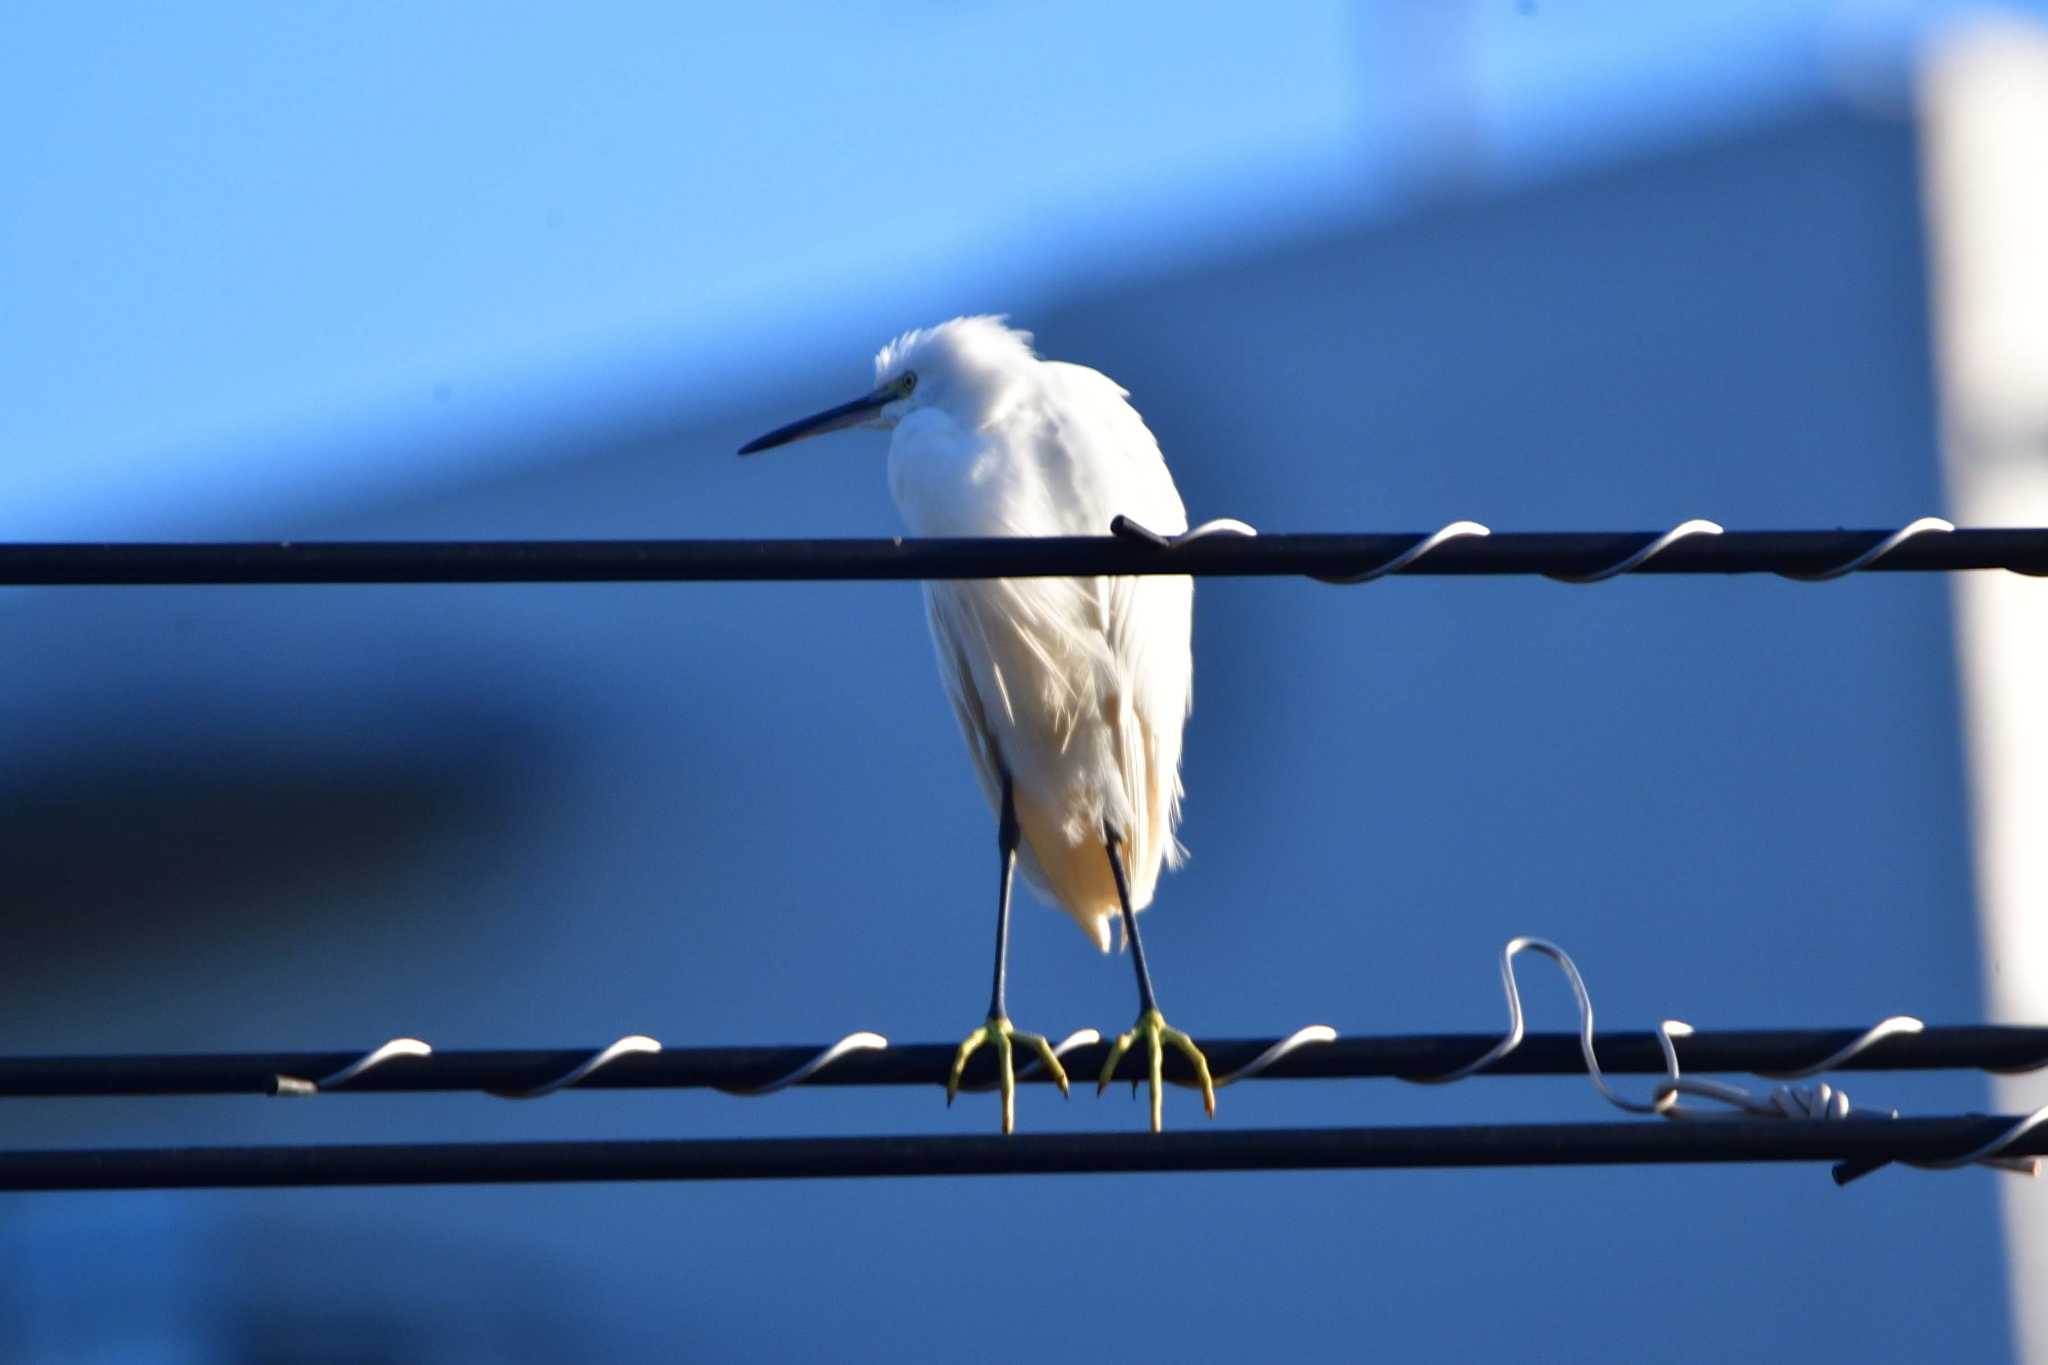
<point>1564,554</point>
<point>1859,1143</point>
<point>1748,1051</point>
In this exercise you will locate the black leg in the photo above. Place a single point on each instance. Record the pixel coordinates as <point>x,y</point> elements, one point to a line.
<point>1147,1003</point>
<point>998,1031</point>
<point>1006,847</point>
<point>1151,1026</point>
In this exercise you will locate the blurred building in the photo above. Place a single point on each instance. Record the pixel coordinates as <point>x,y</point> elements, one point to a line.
<point>1985,110</point>
<point>314,817</point>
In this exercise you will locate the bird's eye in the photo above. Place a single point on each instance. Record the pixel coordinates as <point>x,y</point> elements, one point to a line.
<point>907,383</point>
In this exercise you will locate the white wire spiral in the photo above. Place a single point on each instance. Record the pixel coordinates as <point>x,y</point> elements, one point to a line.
<point>295,1086</point>
<point>1924,526</point>
<point>1685,530</point>
<point>1629,563</point>
<point>633,1044</point>
<point>1300,1038</point>
<point>1457,530</point>
<point>861,1041</point>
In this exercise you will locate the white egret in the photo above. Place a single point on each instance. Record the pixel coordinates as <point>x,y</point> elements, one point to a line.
<point>1071,692</point>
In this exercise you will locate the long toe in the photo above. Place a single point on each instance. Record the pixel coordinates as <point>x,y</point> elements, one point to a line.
<point>1047,1058</point>
<point>1157,1057</point>
<point>967,1048</point>
<point>1200,1064</point>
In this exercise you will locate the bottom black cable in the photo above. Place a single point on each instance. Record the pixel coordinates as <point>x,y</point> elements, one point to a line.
<point>1856,1141</point>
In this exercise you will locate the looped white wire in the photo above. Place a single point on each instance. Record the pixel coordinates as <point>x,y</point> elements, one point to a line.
<point>1457,530</point>
<point>862,1041</point>
<point>1821,1102</point>
<point>1825,1101</point>
<point>1682,531</point>
<point>296,1086</point>
<point>630,1045</point>
<point>1924,526</point>
<point>1300,1038</point>
<point>1078,1038</point>
<point>1657,1104</point>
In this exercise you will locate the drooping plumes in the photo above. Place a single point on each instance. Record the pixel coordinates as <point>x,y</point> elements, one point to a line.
<point>1076,687</point>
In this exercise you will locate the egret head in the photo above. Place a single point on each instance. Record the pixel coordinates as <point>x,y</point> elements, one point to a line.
<point>970,368</point>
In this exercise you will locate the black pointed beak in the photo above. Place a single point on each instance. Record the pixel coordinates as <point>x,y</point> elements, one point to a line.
<point>817,424</point>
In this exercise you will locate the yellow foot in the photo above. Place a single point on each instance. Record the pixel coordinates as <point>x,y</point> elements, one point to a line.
<point>998,1033</point>
<point>1157,1033</point>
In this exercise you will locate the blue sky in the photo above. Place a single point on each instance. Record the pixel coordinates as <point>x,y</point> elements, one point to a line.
<point>256,258</point>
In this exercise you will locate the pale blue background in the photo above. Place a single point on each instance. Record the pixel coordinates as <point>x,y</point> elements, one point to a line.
<point>337,272</point>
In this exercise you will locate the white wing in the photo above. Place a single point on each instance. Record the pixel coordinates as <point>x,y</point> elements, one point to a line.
<point>1078,688</point>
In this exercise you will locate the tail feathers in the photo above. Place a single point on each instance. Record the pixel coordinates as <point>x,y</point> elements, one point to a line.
<point>1097,928</point>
